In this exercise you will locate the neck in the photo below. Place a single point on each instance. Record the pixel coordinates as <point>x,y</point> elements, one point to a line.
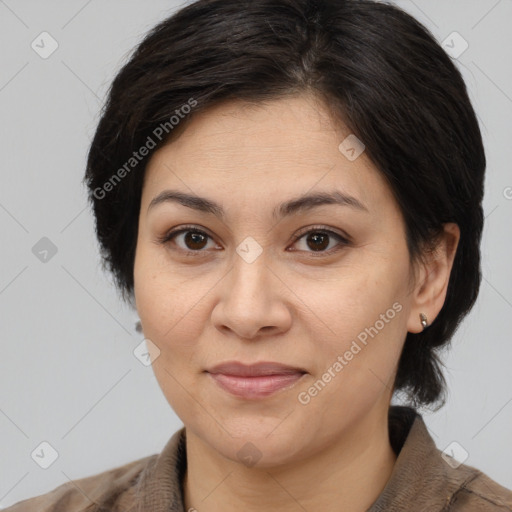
<point>349,475</point>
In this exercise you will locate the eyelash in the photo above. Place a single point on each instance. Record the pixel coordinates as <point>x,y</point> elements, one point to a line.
<point>168,237</point>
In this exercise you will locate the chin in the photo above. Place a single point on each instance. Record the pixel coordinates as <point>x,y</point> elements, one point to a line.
<point>259,443</point>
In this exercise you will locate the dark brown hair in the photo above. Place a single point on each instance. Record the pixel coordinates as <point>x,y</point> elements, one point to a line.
<point>378,71</point>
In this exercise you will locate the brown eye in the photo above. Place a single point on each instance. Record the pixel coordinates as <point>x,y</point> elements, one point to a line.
<point>318,240</point>
<point>188,239</point>
<point>195,240</point>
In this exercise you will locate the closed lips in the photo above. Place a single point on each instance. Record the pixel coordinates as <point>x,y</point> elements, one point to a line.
<point>237,369</point>
<point>255,381</point>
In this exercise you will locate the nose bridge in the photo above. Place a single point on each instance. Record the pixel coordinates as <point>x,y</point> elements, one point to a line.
<point>249,277</point>
<point>250,300</point>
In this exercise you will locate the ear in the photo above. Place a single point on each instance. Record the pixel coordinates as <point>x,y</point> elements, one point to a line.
<point>429,293</point>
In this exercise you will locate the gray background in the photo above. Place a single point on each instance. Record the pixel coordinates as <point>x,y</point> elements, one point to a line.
<point>68,375</point>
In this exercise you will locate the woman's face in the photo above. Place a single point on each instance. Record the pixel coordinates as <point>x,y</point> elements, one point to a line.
<point>323,288</point>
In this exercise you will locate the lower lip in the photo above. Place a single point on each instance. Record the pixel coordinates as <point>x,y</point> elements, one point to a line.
<point>255,387</point>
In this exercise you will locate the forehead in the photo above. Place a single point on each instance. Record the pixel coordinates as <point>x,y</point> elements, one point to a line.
<point>280,148</point>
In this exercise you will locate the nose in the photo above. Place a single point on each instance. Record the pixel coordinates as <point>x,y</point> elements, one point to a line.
<point>254,301</point>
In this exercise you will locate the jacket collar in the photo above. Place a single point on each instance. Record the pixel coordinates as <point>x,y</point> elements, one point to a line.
<point>420,480</point>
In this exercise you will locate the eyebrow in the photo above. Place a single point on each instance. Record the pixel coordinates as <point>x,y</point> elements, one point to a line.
<point>286,209</point>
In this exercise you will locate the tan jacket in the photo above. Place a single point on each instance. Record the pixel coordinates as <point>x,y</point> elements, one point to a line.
<point>421,481</point>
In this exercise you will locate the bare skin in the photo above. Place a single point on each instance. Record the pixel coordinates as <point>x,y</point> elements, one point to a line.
<point>300,302</point>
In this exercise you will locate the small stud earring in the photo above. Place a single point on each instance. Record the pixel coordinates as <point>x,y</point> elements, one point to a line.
<point>138,326</point>
<point>423,319</point>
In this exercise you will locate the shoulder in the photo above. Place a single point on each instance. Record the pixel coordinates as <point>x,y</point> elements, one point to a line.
<point>428,479</point>
<point>477,492</point>
<point>110,490</point>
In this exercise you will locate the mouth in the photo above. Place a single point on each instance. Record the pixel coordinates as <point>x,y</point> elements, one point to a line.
<point>255,381</point>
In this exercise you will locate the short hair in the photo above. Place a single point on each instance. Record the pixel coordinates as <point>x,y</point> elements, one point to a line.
<point>378,71</point>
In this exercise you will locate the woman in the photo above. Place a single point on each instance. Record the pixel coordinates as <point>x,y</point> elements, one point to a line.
<point>290,194</point>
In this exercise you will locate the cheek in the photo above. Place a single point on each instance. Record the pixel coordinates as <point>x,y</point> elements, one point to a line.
<point>355,368</point>
<point>362,328</point>
<point>170,314</point>
<point>173,310</point>
<point>166,303</point>
<point>350,305</point>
